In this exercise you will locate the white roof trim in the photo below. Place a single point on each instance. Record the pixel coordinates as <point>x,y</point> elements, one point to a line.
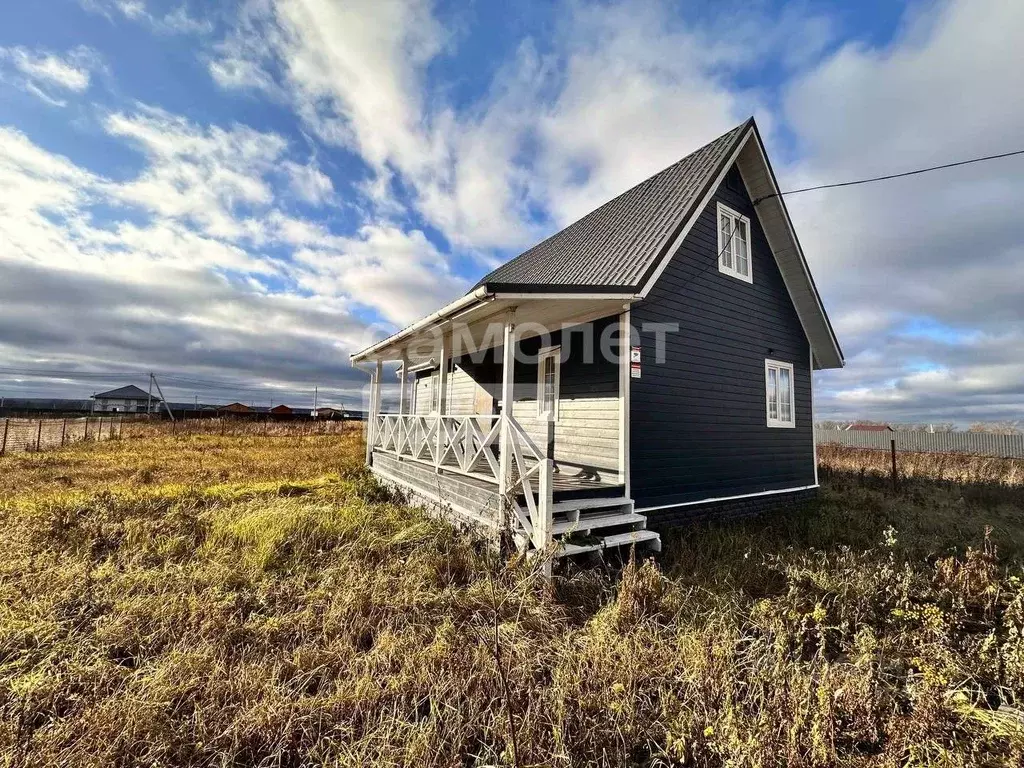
<point>472,301</point>
<point>477,296</point>
<point>789,256</point>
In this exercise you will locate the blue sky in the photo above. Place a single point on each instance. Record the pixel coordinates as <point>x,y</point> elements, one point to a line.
<point>249,191</point>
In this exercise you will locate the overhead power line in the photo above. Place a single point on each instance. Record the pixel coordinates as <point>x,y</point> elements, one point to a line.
<point>889,176</point>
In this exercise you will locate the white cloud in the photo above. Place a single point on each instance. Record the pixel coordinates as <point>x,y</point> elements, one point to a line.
<point>547,136</point>
<point>309,182</point>
<point>40,71</point>
<point>175,21</point>
<point>945,246</point>
<point>401,274</point>
<point>187,283</point>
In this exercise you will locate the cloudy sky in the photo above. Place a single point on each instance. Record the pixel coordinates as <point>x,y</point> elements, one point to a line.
<point>247,192</point>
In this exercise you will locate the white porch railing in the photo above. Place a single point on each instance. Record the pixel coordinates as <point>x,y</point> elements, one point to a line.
<point>471,445</point>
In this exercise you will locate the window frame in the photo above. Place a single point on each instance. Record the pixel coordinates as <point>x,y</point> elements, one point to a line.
<point>778,422</point>
<point>549,353</point>
<point>435,391</point>
<point>731,270</point>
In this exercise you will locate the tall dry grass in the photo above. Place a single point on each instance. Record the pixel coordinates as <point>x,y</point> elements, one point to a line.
<point>943,467</point>
<point>194,619</point>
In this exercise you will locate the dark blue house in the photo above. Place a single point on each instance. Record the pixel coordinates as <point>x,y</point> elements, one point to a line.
<point>647,365</point>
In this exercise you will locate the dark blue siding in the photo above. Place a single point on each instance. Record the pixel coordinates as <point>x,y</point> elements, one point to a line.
<point>698,422</point>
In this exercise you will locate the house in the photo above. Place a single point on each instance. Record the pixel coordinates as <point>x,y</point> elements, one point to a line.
<point>858,427</point>
<point>128,399</point>
<point>648,365</point>
<point>237,408</point>
<point>281,410</point>
<point>337,414</point>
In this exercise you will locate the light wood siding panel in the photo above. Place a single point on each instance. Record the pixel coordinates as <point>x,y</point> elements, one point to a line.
<point>587,431</point>
<point>698,422</point>
<point>462,393</point>
<point>422,393</point>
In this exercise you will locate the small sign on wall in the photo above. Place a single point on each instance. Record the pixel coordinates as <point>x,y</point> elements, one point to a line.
<point>634,362</point>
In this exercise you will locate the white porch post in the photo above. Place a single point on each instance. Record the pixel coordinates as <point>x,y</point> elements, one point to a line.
<point>402,383</point>
<point>545,511</point>
<point>371,420</point>
<point>625,350</point>
<point>442,398</point>
<point>507,390</point>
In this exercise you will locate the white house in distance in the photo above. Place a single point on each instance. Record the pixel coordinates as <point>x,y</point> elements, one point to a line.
<point>128,399</point>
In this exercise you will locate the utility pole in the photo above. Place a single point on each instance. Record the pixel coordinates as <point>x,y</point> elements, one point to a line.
<point>315,393</point>
<point>149,398</point>
<point>162,398</point>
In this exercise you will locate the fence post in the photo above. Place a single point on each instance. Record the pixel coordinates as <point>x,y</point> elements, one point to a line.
<point>3,445</point>
<point>892,446</point>
<point>39,435</point>
<point>63,432</point>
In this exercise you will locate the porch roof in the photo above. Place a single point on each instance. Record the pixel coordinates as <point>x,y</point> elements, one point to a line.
<point>479,317</point>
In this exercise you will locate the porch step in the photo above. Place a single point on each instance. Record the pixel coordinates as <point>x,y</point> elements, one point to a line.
<point>610,542</point>
<point>607,519</point>
<point>580,504</point>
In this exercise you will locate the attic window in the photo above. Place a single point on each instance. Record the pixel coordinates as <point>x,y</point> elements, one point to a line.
<point>734,244</point>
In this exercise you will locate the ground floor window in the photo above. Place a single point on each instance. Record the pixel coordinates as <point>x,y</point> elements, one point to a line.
<point>547,383</point>
<point>779,393</point>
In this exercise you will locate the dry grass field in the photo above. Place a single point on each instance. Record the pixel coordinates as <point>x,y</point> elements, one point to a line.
<point>249,600</point>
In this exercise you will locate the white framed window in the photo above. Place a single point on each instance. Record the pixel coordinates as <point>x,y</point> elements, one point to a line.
<point>435,391</point>
<point>778,379</point>
<point>734,244</point>
<point>548,380</point>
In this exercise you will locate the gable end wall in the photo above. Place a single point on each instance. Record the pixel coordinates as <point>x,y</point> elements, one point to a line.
<point>698,422</point>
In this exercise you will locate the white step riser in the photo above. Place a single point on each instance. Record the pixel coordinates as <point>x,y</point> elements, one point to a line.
<point>588,517</point>
<point>581,504</point>
<point>640,538</point>
<point>597,521</point>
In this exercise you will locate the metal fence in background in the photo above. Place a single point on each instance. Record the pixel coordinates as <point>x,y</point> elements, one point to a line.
<point>41,434</point>
<point>979,443</point>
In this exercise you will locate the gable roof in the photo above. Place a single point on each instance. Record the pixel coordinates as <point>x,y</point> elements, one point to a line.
<point>620,249</point>
<point>615,246</point>
<point>131,392</point>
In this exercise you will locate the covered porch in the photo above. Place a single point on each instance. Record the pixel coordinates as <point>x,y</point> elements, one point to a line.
<point>511,409</point>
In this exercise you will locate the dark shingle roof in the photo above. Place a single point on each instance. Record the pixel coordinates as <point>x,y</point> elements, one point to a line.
<point>130,392</point>
<point>617,245</point>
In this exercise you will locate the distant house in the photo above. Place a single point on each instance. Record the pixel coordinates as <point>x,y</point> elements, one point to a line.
<point>337,414</point>
<point>237,408</point>
<point>128,399</point>
<point>281,410</point>
<point>856,427</point>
